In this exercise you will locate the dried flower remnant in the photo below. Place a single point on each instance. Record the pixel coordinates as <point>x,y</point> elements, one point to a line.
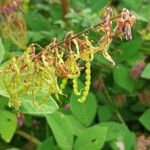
<point>120,145</point>
<point>143,142</point>
<point>106,39</point>
<point>98,85</point>
<point>9,7</point>
<point>120,100</point>
<point>106,17</point>
<point>144,97</point>
<point>125,23</point>
<point>34,74</point>
<point>13,24</point>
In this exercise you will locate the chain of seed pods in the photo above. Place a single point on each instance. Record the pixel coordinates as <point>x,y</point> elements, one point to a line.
<point>35,75</point>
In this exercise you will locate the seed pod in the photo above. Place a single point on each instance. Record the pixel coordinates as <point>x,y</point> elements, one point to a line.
<point>87,82</point>
<point>75,87</point>
<point>63,84</point>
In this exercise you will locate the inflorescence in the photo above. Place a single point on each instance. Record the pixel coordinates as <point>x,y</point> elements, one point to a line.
<point>34,74</point>
<point>12,23</point>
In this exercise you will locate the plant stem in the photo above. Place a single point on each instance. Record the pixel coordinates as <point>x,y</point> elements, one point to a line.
<point>82,32</point>
<point>28,137</point>
<point>117,111</point>
<point>65,7</point>
<point>76,35</point>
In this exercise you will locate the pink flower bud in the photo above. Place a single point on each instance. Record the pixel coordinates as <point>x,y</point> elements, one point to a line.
<point>21,119</point>
<point>98,85</point>
<point>136,70</point>
<point>144,97</point>
<point>120,100</point>
<point>106,17</point>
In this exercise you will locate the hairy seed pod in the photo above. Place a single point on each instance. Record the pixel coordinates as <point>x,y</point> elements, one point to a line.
<point>75,87</point>
<point>104,45</point>
<point>72,66</point>
<point>63,84</point>
<point>87,82</point>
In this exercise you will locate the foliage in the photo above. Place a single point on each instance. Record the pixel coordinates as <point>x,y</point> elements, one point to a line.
<point>114,112</point>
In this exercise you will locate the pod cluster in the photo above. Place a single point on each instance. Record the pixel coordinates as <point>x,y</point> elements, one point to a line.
<point>37,74</point>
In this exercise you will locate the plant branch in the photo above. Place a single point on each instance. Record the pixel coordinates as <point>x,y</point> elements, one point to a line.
<point>28,137</point>
<point>82,32</point>
<point>117,111</point>
<point>76,35</point>
<point>65,7</point>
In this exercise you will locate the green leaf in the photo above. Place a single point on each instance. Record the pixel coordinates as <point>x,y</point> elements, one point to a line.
<point>117,131</point>
<point>2,50</point>
<point>76,126</point>
<point>146,73</point>
<point>133,4</point>
<point>97,5</point>
<point>105,112</point>
<point>36,21</point>
<point>92,138</point>
<point>101,60</point>
<point>77,4</point>
<point>143,13</point>
<point>3,91</point>
<point>129,140</point>
<point>122,78</point>
<point>48,143</point>
<point>3,102</point>
<point>13,148</point>
<point>144,119</point>
<point>35,36</point>
<point>27,106</point>
<point>55,12</point>
<point>61,129</point>
<point>84,112</point>
<point>128,49</point>
<point>137,107</point>
<point>135,59</point>
<point>8,125</point>
<point>38,36</point>
<point>114,130</point>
